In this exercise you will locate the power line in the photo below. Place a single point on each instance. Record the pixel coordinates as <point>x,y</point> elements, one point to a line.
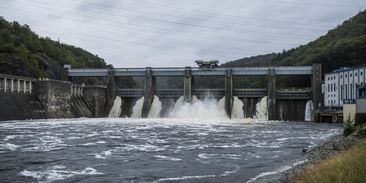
<point>163,21</point>
<point>103,38</point>
<point>95,5</point>
<point>133,43</point>
<point>154,4</point>
<point>133,34</point>
<point>314,4</point>
<point>183,23</point>
<point>170,31</point>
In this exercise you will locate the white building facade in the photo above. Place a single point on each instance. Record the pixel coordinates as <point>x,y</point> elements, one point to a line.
<point>341,86</point>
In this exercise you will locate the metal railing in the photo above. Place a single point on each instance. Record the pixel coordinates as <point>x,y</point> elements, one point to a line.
<point>219,93</point>
<point>250,93</point>
<point>16,84</point>
<point>305,94</point>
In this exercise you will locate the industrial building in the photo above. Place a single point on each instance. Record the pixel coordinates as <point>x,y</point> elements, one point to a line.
<point>343,86</point>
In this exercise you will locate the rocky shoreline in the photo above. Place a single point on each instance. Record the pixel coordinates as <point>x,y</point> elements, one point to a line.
<point>315,154</point>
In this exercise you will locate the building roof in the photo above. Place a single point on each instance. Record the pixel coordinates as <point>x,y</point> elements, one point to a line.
<point>342,69</point>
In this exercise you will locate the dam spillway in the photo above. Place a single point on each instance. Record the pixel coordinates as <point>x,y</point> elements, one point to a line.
<point>206,108</point>
<point>277,98</point>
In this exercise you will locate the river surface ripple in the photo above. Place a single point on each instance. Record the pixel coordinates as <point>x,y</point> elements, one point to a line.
<point>151,150</point>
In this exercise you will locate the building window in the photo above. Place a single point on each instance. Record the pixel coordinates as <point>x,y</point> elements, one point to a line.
<point>346,76</point>
<point>341,76</point>
<point>341,92</point>
<point>356,74</point>
<point>350,75</point>
<point>351,92</point>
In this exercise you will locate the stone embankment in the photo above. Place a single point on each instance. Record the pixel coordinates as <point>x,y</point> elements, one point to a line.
<point>318,153</point>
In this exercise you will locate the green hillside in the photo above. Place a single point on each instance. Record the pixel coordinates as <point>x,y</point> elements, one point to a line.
<point>24,53</point>
<point>342,46</point>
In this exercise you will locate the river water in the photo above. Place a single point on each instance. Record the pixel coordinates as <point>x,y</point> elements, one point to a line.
<point>151,150</point>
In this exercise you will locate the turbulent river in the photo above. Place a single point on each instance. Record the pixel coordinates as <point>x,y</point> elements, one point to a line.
<point>151,150</point>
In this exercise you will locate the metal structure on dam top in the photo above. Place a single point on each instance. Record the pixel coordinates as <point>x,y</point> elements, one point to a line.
<point>188,73</point>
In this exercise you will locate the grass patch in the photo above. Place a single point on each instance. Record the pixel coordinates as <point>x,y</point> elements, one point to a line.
<point>346,167</point>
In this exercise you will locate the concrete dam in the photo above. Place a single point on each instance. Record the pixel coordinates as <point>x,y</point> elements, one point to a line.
<point>279,103</point>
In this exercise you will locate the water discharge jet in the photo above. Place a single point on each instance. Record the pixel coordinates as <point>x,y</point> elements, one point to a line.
<point>308,110</point>
<point>237,110</point>
<point>262,109</point>
<point>116,108</point>
<point>155,108</point>
<point>137,108</point>
<point>208,108</point>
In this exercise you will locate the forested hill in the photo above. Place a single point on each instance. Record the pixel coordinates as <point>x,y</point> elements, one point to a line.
<point>24,53</point>
<point>342,46</point>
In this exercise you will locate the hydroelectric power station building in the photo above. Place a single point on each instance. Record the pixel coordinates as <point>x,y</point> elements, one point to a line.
<point>342,86</point>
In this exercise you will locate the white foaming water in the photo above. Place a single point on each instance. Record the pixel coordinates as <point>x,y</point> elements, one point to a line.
<point>279,170</point>
<point>308,110</point>
<point>207,109</point>
<point>9,146</point>
<point>137,108</point>
<point>155,108</point>
<point>116,109</point>
<point>58,173</point>
<point>262,109</point>
<point>103,155</point>
<point>237,111</point>
<point>167,158</point>
<point>221,104</point>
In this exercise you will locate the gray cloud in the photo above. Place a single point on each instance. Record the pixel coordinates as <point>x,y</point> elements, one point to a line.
<point>131,33</point>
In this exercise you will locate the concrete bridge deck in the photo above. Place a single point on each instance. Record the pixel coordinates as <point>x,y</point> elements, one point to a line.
<point>180,71</point>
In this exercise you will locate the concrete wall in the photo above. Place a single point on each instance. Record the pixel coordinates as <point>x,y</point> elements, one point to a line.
<point>95,97</point>
<point>360,110</point>
<point>28,98</point>
<point>361,105</point>
<point>79,108</point>
<point>349,112</point>
<point>291,110</point>
<point>19,106</point>
<point>56,97</point>
<point>250,106</point>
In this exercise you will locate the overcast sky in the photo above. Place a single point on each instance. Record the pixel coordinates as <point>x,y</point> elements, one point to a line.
<point>140,33</point>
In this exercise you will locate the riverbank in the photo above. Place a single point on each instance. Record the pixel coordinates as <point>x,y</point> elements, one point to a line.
<point>346,166</point>
<point>312,156</point>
